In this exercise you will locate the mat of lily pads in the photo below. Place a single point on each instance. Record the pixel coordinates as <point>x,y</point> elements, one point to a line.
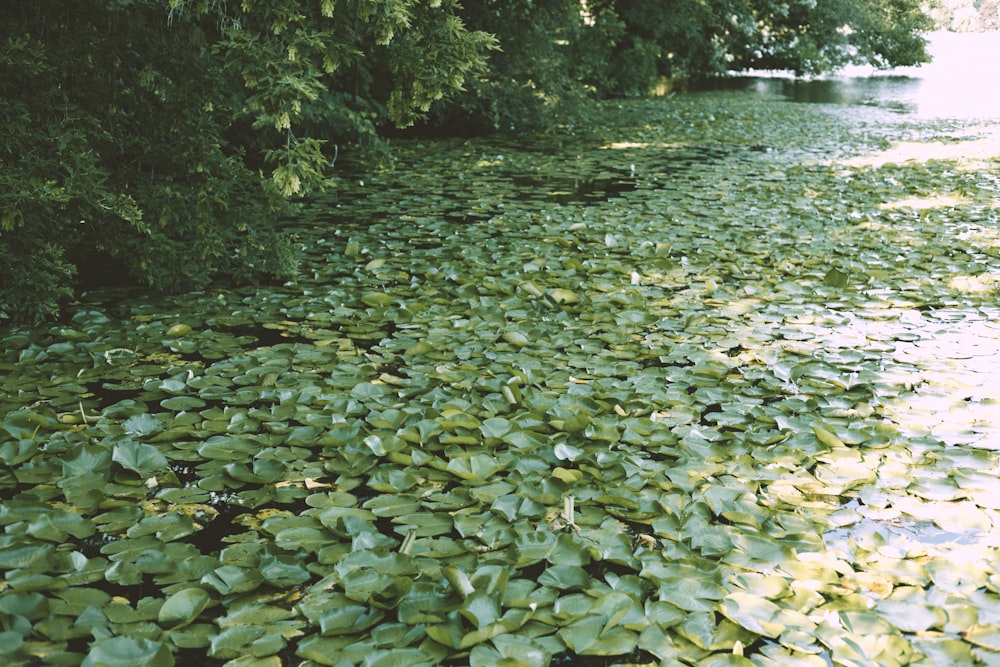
<point>711,381</point>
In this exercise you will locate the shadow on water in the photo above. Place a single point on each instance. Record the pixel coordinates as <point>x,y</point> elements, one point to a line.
<point>588,191</point>
<point>577,190</point>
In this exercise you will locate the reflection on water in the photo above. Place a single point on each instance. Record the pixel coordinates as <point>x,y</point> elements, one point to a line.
<point>960,82</point>
<point>895,92</point>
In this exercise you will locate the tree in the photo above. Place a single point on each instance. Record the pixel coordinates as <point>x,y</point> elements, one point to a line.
<point>166,137</point>
<point>678,39</point>
<point>815,36</point>
<point>695,39</point>
<point>965,15</point>
<point>554,60</point>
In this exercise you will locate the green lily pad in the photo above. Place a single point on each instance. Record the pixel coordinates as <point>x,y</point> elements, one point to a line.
<point>128,651</point>
<point>138,457</point>
<point>183,607</point>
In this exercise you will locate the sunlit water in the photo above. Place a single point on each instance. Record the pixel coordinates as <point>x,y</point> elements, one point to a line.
<point>951,355</point>
<point>960,82</point>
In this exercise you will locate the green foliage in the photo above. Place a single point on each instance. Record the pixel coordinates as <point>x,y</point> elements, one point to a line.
<point>534,80</point>
<point>695,39</point>
<point>813,37</point>
<point>167,136</point>
<point>682,42</point>
<point>334,73</point>
<point>35,277</point>
<point>556,55</point>
<point>115,152</point>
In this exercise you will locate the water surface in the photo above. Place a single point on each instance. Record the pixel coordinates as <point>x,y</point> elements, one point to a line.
<point>960,82</point>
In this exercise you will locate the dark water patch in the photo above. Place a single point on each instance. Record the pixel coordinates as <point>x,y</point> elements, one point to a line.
<point>253,336</point>
<point>470,216</point>
<point>196,657</point>
<point>602,568</point>
<point>131,592</point>
<point>688,160</point>
<point>212,537</point>
<point>91,546</point>
<point>585,191</point>
<point>229,507</point>
<point>571,659</point>
<point>107,393</point>
<point>96,270</point>
<point>187,475</point>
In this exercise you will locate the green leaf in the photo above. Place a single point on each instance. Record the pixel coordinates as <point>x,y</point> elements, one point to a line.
<point>726,660</point>
<point>480,609</point>
<point>511,651</point>
<point>476,468</point>
<point>139,457</point>
<point>495,427</point>
<point>836,278</point>
<point>128,652</point>
<point>565,577</point>
<point>754,613</point>
<point>349,619</point>
<point>88,459</point>
<point>183,607</point>
<point>57,525</point>
<point>233,579</point>
<point>986,635</point>
<point>142,425</point>
<point>181,403</point>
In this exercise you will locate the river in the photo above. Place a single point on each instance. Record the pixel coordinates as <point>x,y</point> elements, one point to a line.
<point>960,81</point>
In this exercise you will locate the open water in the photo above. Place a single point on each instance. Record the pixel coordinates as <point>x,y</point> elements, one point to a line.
<point>962,81</point>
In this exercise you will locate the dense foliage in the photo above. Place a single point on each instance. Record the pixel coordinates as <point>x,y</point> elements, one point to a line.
<point>160,139</point>
<point>675,400</point>
<point>559,52</point>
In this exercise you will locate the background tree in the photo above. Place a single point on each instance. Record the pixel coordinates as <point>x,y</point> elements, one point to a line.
<point>678,39</point>
<point>554,59</point>
<point>965,15</point>
<point>815,36</point>
<point>693,39</point>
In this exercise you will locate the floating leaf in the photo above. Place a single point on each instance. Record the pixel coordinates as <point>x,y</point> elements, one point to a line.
<point>562,296</point>
<point>510,650</point>
<point>826,437</point>
<point>479,467</point>
<point>128,652</point>
<point>183,607</point>
<point>139,457</point>
<point>56,526</point>
<point>516,338</point>
<point>377,299</point>
<point>756,614</point>
<point>986,635</point>
<point>836,278</point>
<point>142,424</point>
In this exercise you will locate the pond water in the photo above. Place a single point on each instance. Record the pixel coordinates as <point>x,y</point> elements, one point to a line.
<point>960,81</point>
